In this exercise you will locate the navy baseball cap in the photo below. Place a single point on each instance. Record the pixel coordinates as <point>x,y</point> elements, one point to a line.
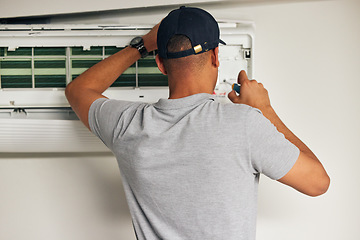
<point>198,25</point>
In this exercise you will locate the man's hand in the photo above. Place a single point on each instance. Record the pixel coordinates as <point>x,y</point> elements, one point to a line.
<point>252,93</point>
<point>150,39</point>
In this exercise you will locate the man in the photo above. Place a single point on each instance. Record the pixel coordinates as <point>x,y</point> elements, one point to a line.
<point>190,165</point>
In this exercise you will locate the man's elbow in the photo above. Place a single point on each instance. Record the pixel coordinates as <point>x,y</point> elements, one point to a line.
<point>320,186</point>
<point>71,94</point>
<point>68,91</point>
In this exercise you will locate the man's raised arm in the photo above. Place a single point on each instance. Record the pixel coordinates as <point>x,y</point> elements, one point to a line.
<point>307,175</point>
<point>90,85</point>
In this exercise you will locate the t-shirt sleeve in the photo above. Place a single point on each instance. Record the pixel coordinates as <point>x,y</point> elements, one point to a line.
<point>270,152</point>
<point>106,118</point>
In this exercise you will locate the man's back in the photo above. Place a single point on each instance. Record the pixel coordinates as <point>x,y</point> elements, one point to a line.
<point>190,166</point>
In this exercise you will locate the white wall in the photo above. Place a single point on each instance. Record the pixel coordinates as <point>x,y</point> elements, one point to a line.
<point>307,56</point>
<point>62,196</point>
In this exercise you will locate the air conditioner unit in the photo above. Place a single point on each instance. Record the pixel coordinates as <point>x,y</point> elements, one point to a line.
<point>38,61</point>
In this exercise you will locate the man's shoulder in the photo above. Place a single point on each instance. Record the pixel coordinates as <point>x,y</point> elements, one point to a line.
<point>116,103</point>
<point>229,113</point>
<point>238,108</point>
<point>112,109</point>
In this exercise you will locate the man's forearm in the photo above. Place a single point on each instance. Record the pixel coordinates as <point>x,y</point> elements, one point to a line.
<point>102,75</point>
<point>90,85</point>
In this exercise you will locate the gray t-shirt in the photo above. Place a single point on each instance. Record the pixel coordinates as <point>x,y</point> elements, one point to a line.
<point>191,166</point>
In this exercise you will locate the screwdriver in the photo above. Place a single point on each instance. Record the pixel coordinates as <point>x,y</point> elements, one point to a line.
<point>236,87</point>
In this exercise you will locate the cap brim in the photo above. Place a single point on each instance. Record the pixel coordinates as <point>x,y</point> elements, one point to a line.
<point>222,42</point>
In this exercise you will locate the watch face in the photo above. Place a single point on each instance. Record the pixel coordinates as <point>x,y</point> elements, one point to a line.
<point>135,41</point>
<point>138,43</point>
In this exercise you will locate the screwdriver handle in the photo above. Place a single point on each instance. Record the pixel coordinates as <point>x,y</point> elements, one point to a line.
<point>236,87</point>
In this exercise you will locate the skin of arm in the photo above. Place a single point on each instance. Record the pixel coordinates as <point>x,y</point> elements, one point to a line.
<point>308,174</point>
<point>90,85</point>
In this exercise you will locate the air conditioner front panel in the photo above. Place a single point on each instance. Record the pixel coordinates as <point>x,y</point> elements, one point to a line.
<point>39,135</point>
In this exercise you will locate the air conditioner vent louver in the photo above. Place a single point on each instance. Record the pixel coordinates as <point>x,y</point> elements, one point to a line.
<point>50,67</point>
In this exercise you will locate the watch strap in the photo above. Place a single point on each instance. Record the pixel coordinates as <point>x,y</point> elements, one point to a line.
<point>138,43</point>
<point>142,50</point>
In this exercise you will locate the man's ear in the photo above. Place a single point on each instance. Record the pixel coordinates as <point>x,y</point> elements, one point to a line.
<point>215,57</point>
<point>160,64</point>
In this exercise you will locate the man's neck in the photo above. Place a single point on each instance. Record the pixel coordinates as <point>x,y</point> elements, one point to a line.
<point>184,87</point>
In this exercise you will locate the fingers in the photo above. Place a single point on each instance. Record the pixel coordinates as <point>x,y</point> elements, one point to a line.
<point>232,96</point>
<point>242,77</point>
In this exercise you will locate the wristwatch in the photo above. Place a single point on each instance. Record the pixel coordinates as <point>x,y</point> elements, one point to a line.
<point>138,43</point>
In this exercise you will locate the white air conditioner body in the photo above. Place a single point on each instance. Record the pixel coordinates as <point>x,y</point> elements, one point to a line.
<point>39,119</point>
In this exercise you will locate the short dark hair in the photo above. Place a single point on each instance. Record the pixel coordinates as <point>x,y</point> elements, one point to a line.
<point>179,43</point>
